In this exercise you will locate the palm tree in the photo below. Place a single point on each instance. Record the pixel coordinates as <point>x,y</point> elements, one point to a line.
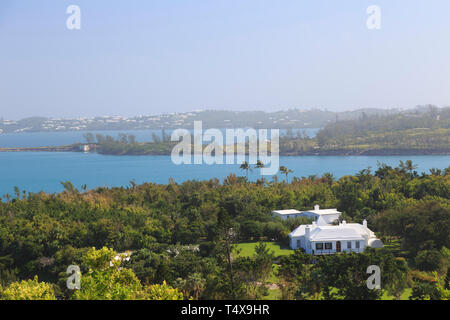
<point>435,172</point>
<point>196,284</point>
<point>447,171</point>
<point>181,284</point>
<point>286,172</point>
<point>365,177</point>
<point>329,177</point>
<point>407,167</point>
<point>260,165</point>
<point>410,166</point>
<point>17,192</point>
<point>245,166</point>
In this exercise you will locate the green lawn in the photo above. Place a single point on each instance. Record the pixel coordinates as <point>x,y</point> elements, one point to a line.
<point>405,295</point>
<point>247,249</point>
<point>274,294</point>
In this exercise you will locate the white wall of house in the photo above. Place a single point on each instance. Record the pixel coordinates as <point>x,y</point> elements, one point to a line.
<point>328,215</point>
<point>309,214</point>
<point>286,216</point>
<point>321,237</point>
<point>310,247</point>
<point>346,246</point>
<point>328,218</point>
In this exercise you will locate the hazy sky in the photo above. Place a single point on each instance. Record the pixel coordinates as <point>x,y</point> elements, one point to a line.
<point>135,57</point>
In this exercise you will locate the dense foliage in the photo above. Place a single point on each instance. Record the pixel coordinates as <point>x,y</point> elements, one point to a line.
<point>179,236</point>
<point>408,132</point>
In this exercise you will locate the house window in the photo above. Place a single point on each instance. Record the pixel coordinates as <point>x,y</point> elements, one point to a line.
<point>328,246</point>
<point>298,243</point>
<point>319,246</point>
<point>357,244</point>
<point>349,244</point>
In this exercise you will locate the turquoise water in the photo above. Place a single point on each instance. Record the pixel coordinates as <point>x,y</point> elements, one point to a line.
<point>40,139</point>
<point>42,171</point>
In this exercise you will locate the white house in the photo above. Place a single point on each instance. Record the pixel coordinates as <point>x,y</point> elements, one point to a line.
<point>286,214</point>
<point>321,237</point>
<point>327,215</point>
<point>85,148</point>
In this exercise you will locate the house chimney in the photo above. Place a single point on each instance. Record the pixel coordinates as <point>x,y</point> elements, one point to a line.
<point>307,232</point>
<point>316,207</point>
<point>365,223</point>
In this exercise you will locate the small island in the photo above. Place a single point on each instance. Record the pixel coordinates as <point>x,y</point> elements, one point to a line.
<point>408,133</point>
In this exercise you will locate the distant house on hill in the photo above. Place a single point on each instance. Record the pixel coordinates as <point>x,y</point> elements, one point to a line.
<point>286,214</point>
<point>322,237</point>
<point>327,215</point>
<point>85,148</point>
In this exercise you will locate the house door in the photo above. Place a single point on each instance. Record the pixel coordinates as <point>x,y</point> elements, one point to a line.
<point>338,246</point>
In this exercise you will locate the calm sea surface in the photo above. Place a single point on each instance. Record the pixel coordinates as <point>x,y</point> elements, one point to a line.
<point>36,171</point>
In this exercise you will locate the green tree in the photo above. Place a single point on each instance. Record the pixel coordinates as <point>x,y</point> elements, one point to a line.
<point>429,260</point>
<point>245,166</point>
<point>286,172</point>
<point>294,276</point>
<point>260,165</point>
<point>28,290</point>
<point>196,284</point>
<point>89,137</point>
<point>344,276</point>
<point>224,239</point>
<point>106,279</point>
<point>162,292</point>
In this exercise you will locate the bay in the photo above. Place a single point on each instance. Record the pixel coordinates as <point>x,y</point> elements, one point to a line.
<point>44,171</point>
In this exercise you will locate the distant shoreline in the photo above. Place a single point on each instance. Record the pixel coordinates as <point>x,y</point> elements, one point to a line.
<point>69,148</point>
<point>371,152</point>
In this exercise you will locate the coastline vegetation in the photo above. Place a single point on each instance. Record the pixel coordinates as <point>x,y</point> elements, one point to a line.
<point>181,238</point>
<point>400,134</point>
<point>419,133</point>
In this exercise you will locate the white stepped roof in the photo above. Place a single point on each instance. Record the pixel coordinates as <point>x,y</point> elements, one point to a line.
<point>300,231</point>
<point>289,211</point>
<point>334,233</point>
<point>321,212</point>
<point>349,231</point>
